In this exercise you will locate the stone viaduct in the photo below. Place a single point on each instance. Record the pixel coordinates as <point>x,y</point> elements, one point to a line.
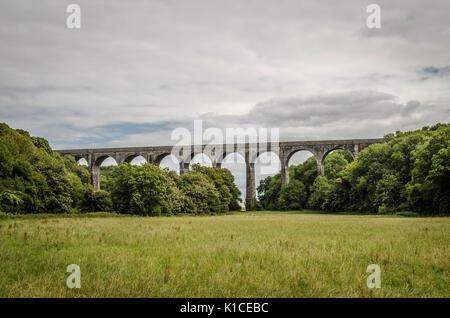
<point>217,153</point>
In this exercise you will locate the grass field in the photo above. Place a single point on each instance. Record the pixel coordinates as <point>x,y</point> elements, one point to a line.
<point>239,255</point>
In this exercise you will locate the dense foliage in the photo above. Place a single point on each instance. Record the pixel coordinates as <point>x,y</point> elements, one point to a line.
<point>34,179</point>
<point>138,189</point>
<point>410,172</point>
<point>295,195</point>
<point>149,190</point>
<point>223,180</point>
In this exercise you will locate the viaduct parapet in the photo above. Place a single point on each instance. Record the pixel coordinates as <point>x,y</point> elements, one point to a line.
<point>217,154</point>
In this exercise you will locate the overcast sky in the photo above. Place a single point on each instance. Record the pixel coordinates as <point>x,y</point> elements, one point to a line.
<point>138,69</point>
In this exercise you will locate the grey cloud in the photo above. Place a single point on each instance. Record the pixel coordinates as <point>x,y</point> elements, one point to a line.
<point>347,114</point>
<point>317,109</point>
<point>149,62</point>
<point>18,92</point>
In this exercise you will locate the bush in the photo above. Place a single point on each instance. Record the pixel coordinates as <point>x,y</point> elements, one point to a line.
<point>97,200</point>
<point>258,206</point>
<point>11,201</point>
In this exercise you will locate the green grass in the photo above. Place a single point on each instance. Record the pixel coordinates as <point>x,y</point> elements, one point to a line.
<point>238,255</point>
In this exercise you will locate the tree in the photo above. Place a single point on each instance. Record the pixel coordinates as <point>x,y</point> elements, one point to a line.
<point>319,192</point>
<point>97,200</point>
<point>390,193</point>
<point>40,178</point>
<point>138,189</point>
<point>223,180</point>
<point>202,192</point>
<point>293,196</point>
<point>269,191</point>
<point>429,188</point>
<point>81,172</point>
<point>410,171</point>
<point>176,200</point>
<point>305,172</point>
<point>335,162</point>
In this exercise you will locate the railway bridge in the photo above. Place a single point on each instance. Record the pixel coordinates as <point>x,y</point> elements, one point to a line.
<point>218,152</point>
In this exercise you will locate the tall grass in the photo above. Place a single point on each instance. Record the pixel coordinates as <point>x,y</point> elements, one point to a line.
<point>239,255</point>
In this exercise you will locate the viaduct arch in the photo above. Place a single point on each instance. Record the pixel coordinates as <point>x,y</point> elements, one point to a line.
<point>217,154</point>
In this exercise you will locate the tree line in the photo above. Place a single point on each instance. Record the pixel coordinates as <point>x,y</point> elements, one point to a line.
<point>34,179</point>
<point>410,172</point>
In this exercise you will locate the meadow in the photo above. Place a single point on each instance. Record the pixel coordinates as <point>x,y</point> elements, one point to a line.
<point>260,254</point>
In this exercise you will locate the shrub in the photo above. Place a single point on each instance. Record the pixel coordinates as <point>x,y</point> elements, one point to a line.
<point>97,200</point>
<point>11,201</point>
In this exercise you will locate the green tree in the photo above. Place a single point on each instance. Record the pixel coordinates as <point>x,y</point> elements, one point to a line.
<point>97,200</point>
<point>81,172</point>
<point>397,175</point>
<point>40,178</point>
<point>390,192</point>
<point>138,189</point>
<point>269,191</point>
<point>305,172</point>
<point>429,188</point>
<point>335,162</point>
<point>176,200</point>
<point>201,190</point>
<point>293,196</point>
<point>223,180</point>
<point>319,192</point>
